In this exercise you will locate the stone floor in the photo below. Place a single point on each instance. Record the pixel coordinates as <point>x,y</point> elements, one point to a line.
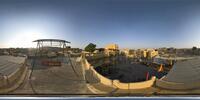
<point>54,80</point>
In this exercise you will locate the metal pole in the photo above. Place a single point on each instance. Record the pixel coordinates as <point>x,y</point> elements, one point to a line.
<point>33,65</point>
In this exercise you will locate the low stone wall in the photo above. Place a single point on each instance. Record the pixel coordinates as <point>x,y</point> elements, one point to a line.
<point>176,86</point>
<point>10,80</point>
<point>96,56</point>
<point>117,83</point>
<point>135,85</point>
<point>3,82</point>
<point>102,79</point>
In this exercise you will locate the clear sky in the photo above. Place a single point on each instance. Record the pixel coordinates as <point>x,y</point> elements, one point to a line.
<point>129,23</point>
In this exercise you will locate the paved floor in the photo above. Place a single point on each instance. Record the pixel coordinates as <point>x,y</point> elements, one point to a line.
<point>187,71</point>
<point>54,80</point>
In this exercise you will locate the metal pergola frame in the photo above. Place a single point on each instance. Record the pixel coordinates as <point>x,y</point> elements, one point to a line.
<point>40,43</point>
<point>40,46</point>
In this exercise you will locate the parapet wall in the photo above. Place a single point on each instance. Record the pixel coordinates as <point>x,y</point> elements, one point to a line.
<point>7,82</point>
<point>117,83</point>
<point>135,85</point>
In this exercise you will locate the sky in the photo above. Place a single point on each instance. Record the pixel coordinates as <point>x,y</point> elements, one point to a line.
<point>128,23</point>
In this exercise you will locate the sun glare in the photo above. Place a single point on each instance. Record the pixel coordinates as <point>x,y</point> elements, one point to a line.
<point>25,39</point>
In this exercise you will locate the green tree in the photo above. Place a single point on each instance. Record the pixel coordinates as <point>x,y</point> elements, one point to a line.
<point>194,48</point>
<point>90,47</point>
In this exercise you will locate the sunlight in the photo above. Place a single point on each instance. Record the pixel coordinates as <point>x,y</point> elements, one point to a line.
<point>25,38</point>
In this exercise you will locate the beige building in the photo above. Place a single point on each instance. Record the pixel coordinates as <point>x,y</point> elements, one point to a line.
<point>146,53</point>
<point>112,49</point>
<point>141,53</point>
<point>125,51</point>
<point>129,52</point>
<point>151,53</point>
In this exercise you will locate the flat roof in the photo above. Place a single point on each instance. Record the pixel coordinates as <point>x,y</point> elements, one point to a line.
<point>9,64</point>
<point>184,71</point>
<point>52,40</point>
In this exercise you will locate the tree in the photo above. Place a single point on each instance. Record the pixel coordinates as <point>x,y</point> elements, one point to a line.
<point>194,48</point>
<point>90,47</point>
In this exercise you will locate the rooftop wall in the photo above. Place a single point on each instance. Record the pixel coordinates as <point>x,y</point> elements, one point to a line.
<point>9,82</point>
<point>117,83</point>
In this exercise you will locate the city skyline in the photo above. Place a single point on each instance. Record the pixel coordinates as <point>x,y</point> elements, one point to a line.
<point>128,23</point>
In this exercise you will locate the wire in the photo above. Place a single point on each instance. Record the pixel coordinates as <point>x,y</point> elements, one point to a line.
<point>72,65</point>
<point>33,65</point>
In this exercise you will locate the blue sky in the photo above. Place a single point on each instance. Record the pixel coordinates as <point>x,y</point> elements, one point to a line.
<point>129,23</point>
